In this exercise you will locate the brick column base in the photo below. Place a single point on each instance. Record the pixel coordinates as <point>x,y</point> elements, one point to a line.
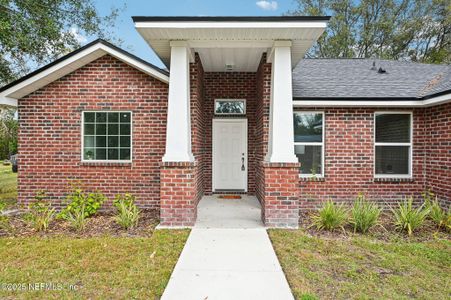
<point>280,207</point>
<point>178,194</point>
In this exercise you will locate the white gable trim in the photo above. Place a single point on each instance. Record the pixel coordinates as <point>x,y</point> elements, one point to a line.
<point>9,96</point>
<point>377,103</point>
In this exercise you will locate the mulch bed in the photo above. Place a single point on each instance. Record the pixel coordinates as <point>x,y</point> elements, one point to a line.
<point>385,231</point>
<point>100,224</point>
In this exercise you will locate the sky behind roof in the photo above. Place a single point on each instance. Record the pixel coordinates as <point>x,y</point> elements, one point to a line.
<point>135,44</point>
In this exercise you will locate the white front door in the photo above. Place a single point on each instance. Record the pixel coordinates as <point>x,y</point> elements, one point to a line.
<point>229,155</point>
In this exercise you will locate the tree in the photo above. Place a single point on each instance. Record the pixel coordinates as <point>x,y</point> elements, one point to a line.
<point>8,132</point>
<point>34,32</point>
<point>418,30</point>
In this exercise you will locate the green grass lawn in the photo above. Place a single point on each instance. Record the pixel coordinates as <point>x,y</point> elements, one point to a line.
<point>8,185</point>
<point>362,267</point>
<point>106,267</point>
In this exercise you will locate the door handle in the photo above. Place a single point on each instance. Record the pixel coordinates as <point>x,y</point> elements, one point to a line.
<point>242,164</point>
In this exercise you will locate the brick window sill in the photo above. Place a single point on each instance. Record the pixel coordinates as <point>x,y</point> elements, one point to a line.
<point>106,163</point>
<point>394,179</point>
<point>312,179</point>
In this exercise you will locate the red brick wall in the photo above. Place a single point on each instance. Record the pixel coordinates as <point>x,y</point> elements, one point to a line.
<point>349,161</point>
<point>50,133</point>
<point>179,194</point>
<point>198,123</point>
<point>262,118</point>
<point>438,151</point>
<point>239,85</point>
<point>280,198</point>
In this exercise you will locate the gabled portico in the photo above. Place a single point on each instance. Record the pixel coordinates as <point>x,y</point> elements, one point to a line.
<point>195,47</point>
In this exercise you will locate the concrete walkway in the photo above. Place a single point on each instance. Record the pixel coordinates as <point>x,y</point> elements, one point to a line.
<point>228,255</point>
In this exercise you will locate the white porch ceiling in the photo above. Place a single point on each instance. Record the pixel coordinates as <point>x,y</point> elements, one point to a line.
<point>237,43</point>
<point>241,59</point>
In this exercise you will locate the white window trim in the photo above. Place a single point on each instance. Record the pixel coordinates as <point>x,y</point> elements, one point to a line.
<point>410,145</point>
<point>230,114</point>
<point>323,144</point>
<point>118,161</point>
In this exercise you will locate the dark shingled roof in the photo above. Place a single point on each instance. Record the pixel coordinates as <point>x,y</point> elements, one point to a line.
<point>333,79</point>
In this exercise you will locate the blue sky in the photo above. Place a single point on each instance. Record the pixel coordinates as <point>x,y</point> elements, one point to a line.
<point>136,45</point>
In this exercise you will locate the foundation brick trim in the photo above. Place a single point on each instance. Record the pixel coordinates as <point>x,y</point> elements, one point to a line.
<point>178,194</point>
<point>280,203</point>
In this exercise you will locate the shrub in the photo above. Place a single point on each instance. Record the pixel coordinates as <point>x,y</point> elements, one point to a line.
<point>408,218</point>
<point>2,205</point>
<point>5,225</point>
<point>364,214</point>
<point>77,217</point>
<point>330,216</point>
<point>437,214</point>
<point>40,213</point>
<point>78,199</point>
<point>127,212</point>
<point>81,206</point>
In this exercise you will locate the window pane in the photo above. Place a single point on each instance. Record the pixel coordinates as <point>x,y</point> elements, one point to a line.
<point>89,129</point>
<point>392,159</point>
<point>125,117</point>
<point>113,117</point>
<point>229,107</point>
<point>100,154</point>
<point>90,117</point>
<point>113,129</point>
<point>125,141</point>
<point>89,141</point>
<point>125,154</point>
<point>106,135</point>
<point>113,141</point>
<point>100,129</point>
<point>88,154</point>
<point>113,154</point>
<point>100,117</point>
<point>393,128</point>
<point>308,127</point>
<point>125,129</point>
<point>310,159</point>
<point>100,141</point>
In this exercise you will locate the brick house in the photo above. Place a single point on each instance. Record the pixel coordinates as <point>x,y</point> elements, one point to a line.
<point>240,111</point>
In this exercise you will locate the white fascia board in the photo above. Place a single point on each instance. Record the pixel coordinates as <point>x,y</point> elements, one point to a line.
<point>437,100</point>
<point>382,103</point>
<point>136,64</point>
<point>231,25</point>
<point>6,101</point>
<point>56,69</point>
<point>71,64</point>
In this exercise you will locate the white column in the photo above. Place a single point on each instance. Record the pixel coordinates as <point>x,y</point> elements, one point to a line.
<point>178,127</point>
<point>281,136</point>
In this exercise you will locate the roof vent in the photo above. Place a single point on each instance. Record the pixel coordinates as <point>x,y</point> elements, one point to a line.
<point>229,67</point>
<point>373,68</point>
<point>381,71</point>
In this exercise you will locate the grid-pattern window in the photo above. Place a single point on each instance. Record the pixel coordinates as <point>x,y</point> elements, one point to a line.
<point>309,142</point>
<point>393,144</point>
<point>107,136</point>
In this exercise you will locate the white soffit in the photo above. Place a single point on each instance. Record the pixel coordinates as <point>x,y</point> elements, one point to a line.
<point>245,38</point>
<point>42,78</point>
